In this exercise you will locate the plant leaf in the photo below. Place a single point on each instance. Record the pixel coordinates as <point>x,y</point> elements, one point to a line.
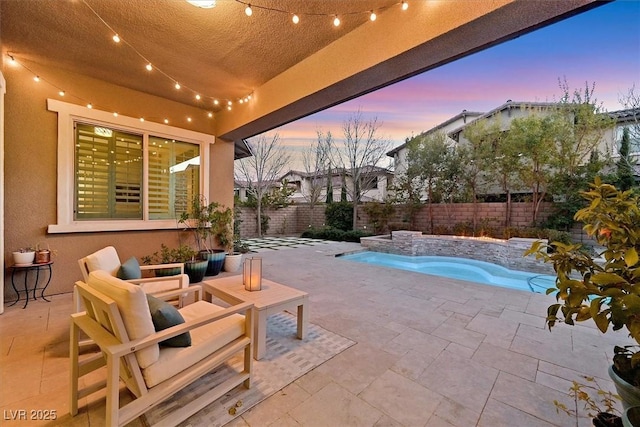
<point>631,257</point>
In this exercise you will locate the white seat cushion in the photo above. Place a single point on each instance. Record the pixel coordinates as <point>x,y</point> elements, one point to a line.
<point>204,341</point>
<point>105,259</point>
<point>134,310</point>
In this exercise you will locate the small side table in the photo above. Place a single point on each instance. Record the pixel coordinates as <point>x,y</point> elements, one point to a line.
<point>26,269</point>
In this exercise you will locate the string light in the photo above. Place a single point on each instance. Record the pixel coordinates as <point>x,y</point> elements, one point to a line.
<point>216,102</point>
<point>166,121</point>
<point>189,119</point>
<point>336,21</point>
<point>373,16</point>
<point>149,67</point>
<point>61,93</point>
<point>405,5</point>
<point>295,18</point>
<point>115,114</point>
<point>209,114</point>
<point>142,119</point>
<point>248,11</point>
<point>12,61</point>
<point>89,106</point>
<point>36,79</point>
<point>198,96</point>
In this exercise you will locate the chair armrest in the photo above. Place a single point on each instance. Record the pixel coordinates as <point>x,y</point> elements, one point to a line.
<point>122,349</point>
<point>193,289</point>
<point>163,266</point>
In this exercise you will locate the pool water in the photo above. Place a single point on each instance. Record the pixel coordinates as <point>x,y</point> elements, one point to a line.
<point>459,268</point>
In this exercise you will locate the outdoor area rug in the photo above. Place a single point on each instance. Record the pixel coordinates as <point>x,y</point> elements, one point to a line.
<point>287,359</point>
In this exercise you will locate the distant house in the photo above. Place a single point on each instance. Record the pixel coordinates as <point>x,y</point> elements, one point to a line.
<point>374,189</point>
<point>399,154</point>
<point>507,112</point>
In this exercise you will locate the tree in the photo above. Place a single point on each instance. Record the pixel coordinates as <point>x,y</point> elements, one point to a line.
<point>476,156</point>
<point>262,169</point>
<point>534,137</point>
<point>506,167</point>
<point>624,168</point>
<point>363,151</point>
<point>426,158</point>
<point>315,160</point>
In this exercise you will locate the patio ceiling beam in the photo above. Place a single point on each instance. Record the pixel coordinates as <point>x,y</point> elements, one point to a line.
<point>398,46</point>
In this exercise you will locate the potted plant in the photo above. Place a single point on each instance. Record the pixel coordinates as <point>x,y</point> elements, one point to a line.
<point>24,256</point>
<point>606,289</point>
<point>202,219</point>
<point>166,255</point>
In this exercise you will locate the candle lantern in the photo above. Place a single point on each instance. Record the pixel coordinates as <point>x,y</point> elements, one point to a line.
<point>252,274</point>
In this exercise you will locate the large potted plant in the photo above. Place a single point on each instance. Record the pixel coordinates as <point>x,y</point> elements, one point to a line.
<point>202,219</point>
<point>606,289</point>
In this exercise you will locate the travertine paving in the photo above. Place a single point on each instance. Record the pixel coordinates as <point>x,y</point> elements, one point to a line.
<point>430,352</point>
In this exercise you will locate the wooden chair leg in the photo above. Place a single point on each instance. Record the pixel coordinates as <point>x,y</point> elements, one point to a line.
<point>74,355</point>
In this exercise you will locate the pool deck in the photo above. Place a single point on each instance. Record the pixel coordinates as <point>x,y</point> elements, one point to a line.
<point>430,351</point>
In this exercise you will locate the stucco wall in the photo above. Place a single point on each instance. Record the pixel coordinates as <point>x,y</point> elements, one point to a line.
<point>30,167</point>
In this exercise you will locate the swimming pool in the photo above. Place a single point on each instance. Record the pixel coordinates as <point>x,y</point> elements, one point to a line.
<point>459,268</point>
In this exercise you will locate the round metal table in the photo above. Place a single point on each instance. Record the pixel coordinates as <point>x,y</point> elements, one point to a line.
<point>27,268</point>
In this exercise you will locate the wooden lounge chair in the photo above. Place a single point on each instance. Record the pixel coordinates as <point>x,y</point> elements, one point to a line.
<point>107,259</point>
<point>118,320</point>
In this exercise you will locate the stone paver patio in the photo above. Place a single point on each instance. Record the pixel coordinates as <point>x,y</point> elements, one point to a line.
<point>430,351</point>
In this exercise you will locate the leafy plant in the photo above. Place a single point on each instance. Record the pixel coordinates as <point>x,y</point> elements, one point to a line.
<point>607,292</point>
<point>603,402</point>
<point>208,221</point>
<point>339,215</point>
<point>166,255</point>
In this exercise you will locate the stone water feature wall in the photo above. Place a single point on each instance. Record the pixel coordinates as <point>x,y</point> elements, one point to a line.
<point>507,253</point>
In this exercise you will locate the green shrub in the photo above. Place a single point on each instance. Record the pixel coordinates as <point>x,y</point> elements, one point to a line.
<point>330,233</point>
<point>339,215</point>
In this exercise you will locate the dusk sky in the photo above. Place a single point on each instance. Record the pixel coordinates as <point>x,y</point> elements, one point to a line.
<point>601,46</point>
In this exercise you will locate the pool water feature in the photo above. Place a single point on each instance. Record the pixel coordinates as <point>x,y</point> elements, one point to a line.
<point>459,268</point>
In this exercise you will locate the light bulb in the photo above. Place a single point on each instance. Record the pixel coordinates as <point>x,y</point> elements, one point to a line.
<point>115,114</point>
<point>373,16</point>
<point>177,85</point>
<point>248,10</point>
<point>149,67</point>
<point>241,101</point>
<point>36,79</point>
<point>12,61</point>
<point>295,18</point>
<point>142,119</point>
<point>116,38</point>
<point>216,102</point>
<point>198,96</point>
<point>166,121</point>
<point>61,93</point>
<point>229,102</point>
<point>405,5</point>
<point>209,114</point>
<point>249,96</point>
<point>189,119</point>
<point>336,22</point>
<point>229,107</point>
<point>89,106</point>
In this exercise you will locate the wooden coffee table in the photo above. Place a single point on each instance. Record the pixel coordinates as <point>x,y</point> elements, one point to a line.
<point>272,299</point>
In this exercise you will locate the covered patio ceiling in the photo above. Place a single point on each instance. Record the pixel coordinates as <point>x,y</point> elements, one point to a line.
<point>289,70</point>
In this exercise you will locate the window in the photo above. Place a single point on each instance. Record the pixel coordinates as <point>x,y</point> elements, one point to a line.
<point>108,169</point>
<point>119,173</point>
<point>634,139</point>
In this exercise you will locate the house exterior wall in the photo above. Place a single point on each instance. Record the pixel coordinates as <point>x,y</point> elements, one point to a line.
<point>31,170</point>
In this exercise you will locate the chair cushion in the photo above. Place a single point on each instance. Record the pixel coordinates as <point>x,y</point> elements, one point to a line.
<point>105,259</point>
<point>134,310</point>
<point>204,341</point>
<point>164,316</point>
<point>130,269</point>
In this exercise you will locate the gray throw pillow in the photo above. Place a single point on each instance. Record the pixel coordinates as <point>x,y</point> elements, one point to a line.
<point>130,270</point>
<point>164,316</point>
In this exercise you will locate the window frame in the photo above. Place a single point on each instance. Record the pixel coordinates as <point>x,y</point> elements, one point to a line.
<point>68,114</point>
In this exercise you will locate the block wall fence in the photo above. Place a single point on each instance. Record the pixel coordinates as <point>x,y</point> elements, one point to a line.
<point>295,219</point>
